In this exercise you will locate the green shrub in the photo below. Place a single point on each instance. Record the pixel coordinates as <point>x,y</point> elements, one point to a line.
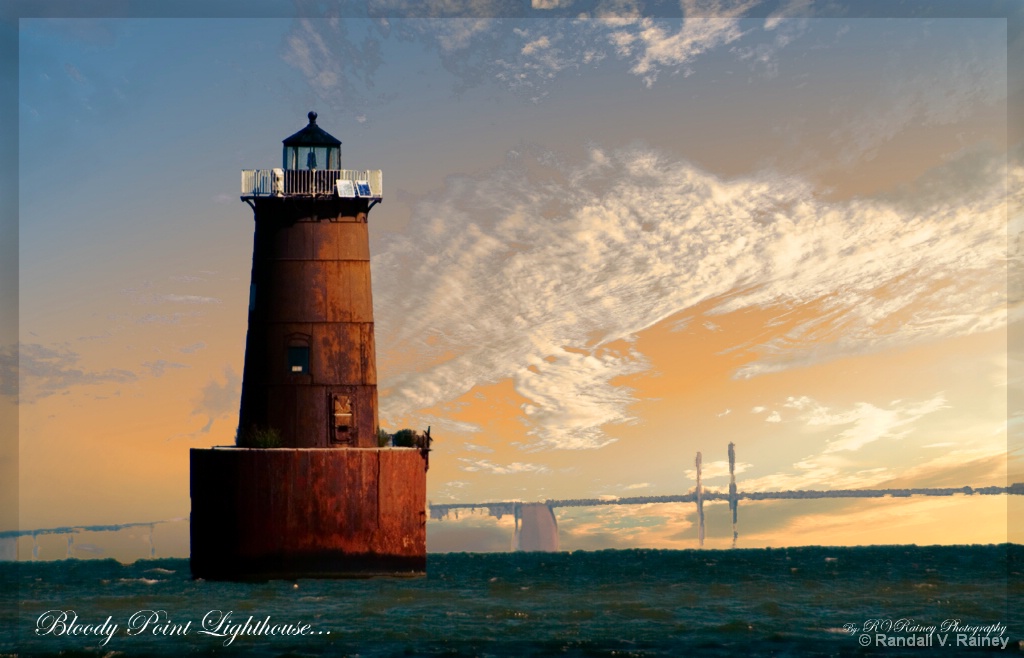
<point>258,437</point>
<point>382,437</point>
<point>404,438</point>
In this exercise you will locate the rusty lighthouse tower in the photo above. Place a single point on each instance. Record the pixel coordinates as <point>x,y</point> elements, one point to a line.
<point>307,491</point>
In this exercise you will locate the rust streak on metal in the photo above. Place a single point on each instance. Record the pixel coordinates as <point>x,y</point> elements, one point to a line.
<point>363,504</point>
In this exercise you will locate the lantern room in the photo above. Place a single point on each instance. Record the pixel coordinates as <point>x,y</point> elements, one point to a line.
<point>312,169</point>
<point>312,148</point>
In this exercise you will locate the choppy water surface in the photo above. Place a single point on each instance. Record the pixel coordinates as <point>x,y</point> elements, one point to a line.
<point>797,601</point>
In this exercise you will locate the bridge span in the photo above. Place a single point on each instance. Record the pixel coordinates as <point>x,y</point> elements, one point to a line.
<point>528,516</point>
<point>535,526</point>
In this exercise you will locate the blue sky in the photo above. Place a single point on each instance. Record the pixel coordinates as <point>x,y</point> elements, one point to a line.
<point>611,237</point>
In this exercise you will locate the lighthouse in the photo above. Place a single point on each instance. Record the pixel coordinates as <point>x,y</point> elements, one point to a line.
<point>308,490</point>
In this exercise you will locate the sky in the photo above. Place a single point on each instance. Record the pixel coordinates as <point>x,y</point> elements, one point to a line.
<point>613,235</point>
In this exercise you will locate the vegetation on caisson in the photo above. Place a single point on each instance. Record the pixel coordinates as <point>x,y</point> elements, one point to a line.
<point>258,437</point>
<point>404,438</point>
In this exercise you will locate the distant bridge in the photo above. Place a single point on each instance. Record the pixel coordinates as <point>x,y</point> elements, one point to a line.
<point>8,538</point>
<point>529,520</point>
<point>499,509</point>
<point>537,529</point>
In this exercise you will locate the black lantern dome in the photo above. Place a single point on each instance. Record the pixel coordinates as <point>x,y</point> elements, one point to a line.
<point>312,148</point>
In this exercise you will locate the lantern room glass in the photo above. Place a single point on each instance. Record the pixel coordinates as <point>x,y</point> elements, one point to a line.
<point>312,157</point>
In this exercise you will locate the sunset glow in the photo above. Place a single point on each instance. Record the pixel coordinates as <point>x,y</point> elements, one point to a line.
<point>608,241</point>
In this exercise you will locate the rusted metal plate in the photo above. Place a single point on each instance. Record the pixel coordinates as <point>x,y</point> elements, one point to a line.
<point>342,278</point>
<point>311,414</point>
<point>367,354</point>
<point>349,298</point>
<point>402,514</point>
<point>366,415</point>
<point>283,412</point>
<point>325,241</point>
<point>341,240</point>
<point>291,292</point>
<point>300,513</point>
<point>295,242</point>
<point>362,296</point>
<point>318,291</point>
<point>354,240</point>
<point>338,358</point>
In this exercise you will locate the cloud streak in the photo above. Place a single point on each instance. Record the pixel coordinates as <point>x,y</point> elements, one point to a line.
<point>715,470</point>
<point>217,400</point>
<point>524,55</point>
<point>652,45</point>
<point>159,367</point>
<point>338,65</point>
<point>490,468</point>
<point>973,75</point>
<point>866,422</point>
<point>840,464</point>
<point>42,371</point>
<point>531,272</point>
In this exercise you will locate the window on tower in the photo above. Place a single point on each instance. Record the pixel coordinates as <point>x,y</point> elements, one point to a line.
<point>298,358</point>
<point>311,157</point>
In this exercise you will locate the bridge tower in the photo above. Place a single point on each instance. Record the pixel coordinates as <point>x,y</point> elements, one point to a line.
<point>307,491</point>
<point>535,528</point>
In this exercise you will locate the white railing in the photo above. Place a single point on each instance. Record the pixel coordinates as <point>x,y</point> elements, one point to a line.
<point>302,182</point>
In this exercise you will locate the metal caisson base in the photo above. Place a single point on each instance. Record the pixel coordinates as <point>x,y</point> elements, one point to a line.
<point>259,514</point>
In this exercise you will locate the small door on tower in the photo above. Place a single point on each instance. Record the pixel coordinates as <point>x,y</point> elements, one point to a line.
<point>342,419</point>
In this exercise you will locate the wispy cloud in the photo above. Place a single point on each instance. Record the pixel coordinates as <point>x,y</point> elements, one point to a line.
<point>551,4</point>
<point>867,422</point>
<point>217,400</point>
<point>159,367</point>
<point>74,73</point>
<point>957,83</point>
<point>714,470</point>
<point>144,296</point>
<point>656,44</point>
<point>166,318</point>
<point>338,59</point>
<point>839,465</point>
<point>525,55</point>
<point>441,424</point>
<point>489,467</point>
<point>9,371</point>
<point>786,23</point>
<point>531,272</point>
<point>45,370</point>
<point>185,299</point>
<point>819,471</point>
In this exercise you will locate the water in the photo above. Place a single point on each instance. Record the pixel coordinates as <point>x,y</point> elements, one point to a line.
<point>757,602</point>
